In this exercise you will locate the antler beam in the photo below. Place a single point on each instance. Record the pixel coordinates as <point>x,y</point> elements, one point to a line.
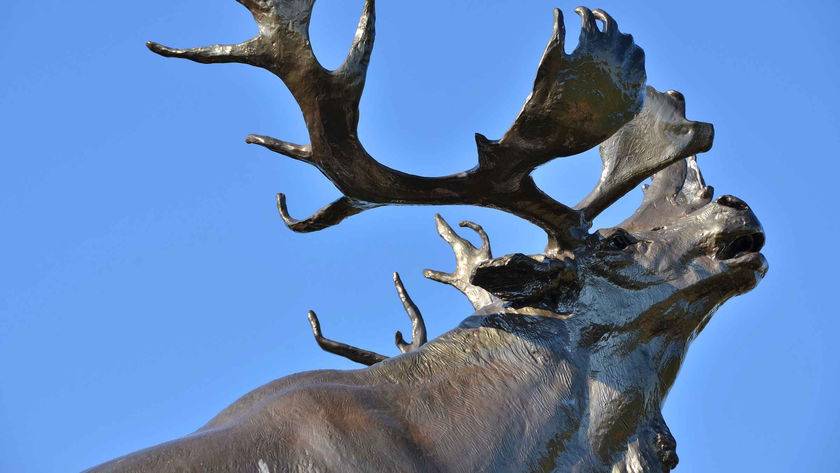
<point>579,100</point>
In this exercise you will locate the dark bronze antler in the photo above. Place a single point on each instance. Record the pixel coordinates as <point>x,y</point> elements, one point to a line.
<point>656,138</point>
<point>579,100</point>
<point>467,258</point>
<point>365,357</point>
<point>595,95</point>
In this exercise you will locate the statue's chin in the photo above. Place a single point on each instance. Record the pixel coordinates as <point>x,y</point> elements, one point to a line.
<point>753,261</point>
<point>730,278</point>
<point>748,270</point>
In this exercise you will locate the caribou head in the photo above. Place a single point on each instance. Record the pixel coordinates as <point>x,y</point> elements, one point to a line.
<point>569,354</point>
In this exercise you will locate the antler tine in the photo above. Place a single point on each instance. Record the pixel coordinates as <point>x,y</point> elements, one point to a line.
<point>248,52</point>
<point>485,239</point>
<point>292,150</point>
<point>282,45</point>
<point>418,325</point>
<point>350,352</point>
<point>326,217</point>
<point>675,191</point>
<point>467,258</point>
<point>658,137</point>
<point>358,59</point>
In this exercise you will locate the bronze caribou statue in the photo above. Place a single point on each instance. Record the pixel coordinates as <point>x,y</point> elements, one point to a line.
<point>567,359</point>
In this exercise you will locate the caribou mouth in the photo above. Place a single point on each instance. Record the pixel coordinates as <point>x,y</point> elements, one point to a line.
<point>744,244</point>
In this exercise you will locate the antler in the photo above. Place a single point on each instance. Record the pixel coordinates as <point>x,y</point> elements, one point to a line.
<point>418,325</point>
<point>675,191</point>
<point>658,137</point>
<point>350,352</point>
<point>365,357</point>
<point>467,258</point>
<point>578,101</point>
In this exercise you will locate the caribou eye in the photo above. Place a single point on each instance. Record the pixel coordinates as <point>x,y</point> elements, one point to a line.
<point>620,240</point>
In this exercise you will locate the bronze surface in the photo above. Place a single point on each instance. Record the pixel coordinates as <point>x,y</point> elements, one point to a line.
<point>569,355</point>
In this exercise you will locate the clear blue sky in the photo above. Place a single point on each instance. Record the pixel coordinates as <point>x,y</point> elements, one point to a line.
<point>147,281</point>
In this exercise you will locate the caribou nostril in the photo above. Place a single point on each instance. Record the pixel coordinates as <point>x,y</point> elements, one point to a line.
<point>733,202</point>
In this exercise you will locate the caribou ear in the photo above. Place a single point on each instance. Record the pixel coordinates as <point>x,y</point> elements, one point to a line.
<point>522,280</point>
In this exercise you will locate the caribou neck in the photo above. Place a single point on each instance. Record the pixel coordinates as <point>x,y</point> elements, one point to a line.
<point>529,391</point>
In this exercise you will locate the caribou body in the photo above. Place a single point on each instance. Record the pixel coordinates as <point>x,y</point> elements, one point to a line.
<point>569,355</point>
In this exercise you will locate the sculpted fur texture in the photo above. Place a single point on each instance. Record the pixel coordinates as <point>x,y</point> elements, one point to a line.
<point>566,361</point>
